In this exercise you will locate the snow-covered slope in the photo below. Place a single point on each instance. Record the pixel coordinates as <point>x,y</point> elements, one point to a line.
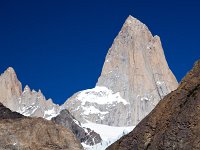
<point>100,95</point>
<point>96,105</point>
<point>109,134</point>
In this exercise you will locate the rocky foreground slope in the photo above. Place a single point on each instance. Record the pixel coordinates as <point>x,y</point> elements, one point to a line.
<point>25,133</point>
<point>135,76</point>
<point>173,124</point>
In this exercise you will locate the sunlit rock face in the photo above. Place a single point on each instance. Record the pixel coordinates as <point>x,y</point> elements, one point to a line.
<point>10,89</point>
<point>27,102</point>
<point>173,124</point>
<point>135,76</point>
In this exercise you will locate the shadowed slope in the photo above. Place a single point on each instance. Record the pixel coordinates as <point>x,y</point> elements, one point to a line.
<point>173,124</point>
<point>25,133</point>
<point>85,135</point>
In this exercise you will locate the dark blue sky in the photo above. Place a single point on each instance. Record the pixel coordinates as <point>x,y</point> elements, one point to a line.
<point>60,46</point>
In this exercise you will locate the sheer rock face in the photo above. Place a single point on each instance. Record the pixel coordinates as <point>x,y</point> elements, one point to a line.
<point>84,135</point>
<point>26,102</point>
<point>25,133</point>
<point>136,68</point>
<point>10,89</point>
<point>173,124</point>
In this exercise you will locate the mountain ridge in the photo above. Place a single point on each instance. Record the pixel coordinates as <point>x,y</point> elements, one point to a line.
<point>25,101</point>
<point>134,78</point>
<point>174,122</point>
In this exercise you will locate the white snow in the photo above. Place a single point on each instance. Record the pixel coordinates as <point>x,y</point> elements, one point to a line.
<point>160,82</point>
<point>26,110</point>
<point>33,91</point>
<point>48,114</point>
<point>93,110</point>
<point>79,124</point>
<point>101,96</point>
<point>145,99</point>
<point>109,134</point>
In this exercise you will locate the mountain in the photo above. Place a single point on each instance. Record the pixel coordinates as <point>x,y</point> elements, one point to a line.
<point>34,104</point>
<point>135,76</point>
<point>173,124</point>
<point>27,102</point>
<point>84,135</point>
<point>20,132</point>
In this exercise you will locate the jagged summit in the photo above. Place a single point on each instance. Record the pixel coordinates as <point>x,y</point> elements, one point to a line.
<point>10,69</point>
<point>133,22</point>
<point>135,69</point>
<point>133,26</point>
<point>27,102</point>
<point>10,73</point>
<point>27,89</point>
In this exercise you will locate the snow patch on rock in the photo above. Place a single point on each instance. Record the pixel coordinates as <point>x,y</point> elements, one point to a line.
<point>92,110</point>
<point>48,114</point>
<point>101,96</point>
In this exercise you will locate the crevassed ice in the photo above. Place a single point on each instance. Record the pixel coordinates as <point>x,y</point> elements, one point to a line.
<point>109,134</point>
<point>100,95</point>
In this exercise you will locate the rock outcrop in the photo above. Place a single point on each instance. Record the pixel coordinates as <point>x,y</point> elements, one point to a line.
<point>84,135</point>
<point>135,70</point>
<point>10,89</point>
<point>173,124</point>
<point>27,102</point>
<point>25,133</point>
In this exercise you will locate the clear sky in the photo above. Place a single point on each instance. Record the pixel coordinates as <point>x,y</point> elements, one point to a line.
<point>60,46</point>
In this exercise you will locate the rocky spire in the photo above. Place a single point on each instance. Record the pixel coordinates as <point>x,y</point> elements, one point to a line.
<point>27,102</point>
<point>10,88</point>
<point>136,68</point>
<point>27,89</point>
